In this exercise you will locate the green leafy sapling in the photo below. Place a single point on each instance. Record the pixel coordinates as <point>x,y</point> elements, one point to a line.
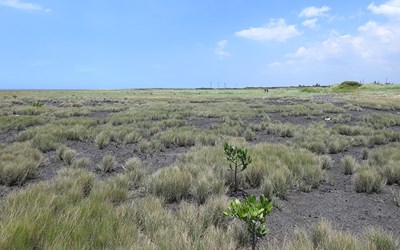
<point>253,213</point>
<point>238,158</point>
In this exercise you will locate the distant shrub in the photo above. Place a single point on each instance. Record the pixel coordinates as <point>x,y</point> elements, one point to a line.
<point>37,104</point>
<point>350,84</point>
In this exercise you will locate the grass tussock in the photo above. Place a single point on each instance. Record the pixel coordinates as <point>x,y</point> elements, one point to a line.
<point>107,164</point>
<point>102,139</point>
<point>18,163</point>
<point>349,165</point>
<point>136,171</point>
<point>324,236</point>
<point>83,162</point>
<point>396,196</point>
<point>369,180</point>
<point>173,184</point>
<point>326,162</point>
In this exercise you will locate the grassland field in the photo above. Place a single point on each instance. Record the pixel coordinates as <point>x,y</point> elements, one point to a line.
<point>145,168</point>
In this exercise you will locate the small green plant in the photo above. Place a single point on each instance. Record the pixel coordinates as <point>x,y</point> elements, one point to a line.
<point>253,213</point>
<point>37,104</point>
<point>238,159</point>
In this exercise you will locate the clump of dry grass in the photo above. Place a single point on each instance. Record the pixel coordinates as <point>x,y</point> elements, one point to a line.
<point>369,180</point>
<point>324,236</point>
<point>172,183</point>
<point>102,139</point>
<point>326,162</point>
<point>249,135</point>
<point>107,164</point>
<point>136,171</point>
<point>83,162</point>
<point>349,165</point>
<point>19,162</point>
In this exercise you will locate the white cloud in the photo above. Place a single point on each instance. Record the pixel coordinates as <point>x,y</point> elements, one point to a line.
<point>314,11</point>
<point>220,49</point>
<point>369,52</point>
<point>332,47</point>
<point>390,8</point>
<point>274,30</point>
<point>375,46</point>
<point>310,23</point>
<point>384,33</point>
<point>17,4</point>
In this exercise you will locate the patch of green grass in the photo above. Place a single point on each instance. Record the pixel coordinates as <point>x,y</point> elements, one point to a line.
<point>178,138</point>
<point>8,123</point>
<point>380,121</point>
<point>18,163</point>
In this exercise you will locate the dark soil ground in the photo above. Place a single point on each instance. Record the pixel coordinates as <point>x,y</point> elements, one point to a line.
<point>335,200</point>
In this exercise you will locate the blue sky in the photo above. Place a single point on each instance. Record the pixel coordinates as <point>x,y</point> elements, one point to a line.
<point>99,44</point>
